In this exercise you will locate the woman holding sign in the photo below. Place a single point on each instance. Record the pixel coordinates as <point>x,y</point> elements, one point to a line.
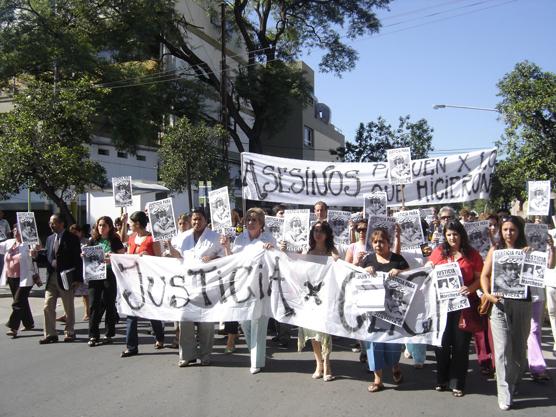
<point>452,357</point>
<point>255,330</point>
<point>102,293</point>
<point>510,319</point>
<point>380,355</point>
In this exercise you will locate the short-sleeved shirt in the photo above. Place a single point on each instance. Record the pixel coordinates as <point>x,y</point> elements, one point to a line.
<point>145,247</point>
<point>469,264</point>
<point>396,262</point>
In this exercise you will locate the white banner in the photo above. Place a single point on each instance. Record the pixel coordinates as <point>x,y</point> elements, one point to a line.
<point>442,180</point>
<point>309,291</point>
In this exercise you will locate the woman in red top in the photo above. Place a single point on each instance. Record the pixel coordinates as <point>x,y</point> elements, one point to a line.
<point>141,243</point>
<point>452,358</point>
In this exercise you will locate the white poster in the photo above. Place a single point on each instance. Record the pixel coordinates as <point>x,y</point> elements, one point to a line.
<point>309,291</point>
<point>375,204</point>
<point>122,191</point>
<point>442,180</point>
<point>296,230</point>
<point>220,213</point>
<point>478,235</point>
<point>537,236</point>
<point>399,165</point>
<point>411,232</point>
<point>370,292</point>
<point>506,271</point>
<point>161,216</point>
<point>448,280</point>
<point>94,267</point>
<point>380,222</point>
<point>397,300</point>
<point>275,226</point>
<point>538,197</point>
<point>457,303</point>
<point>27,227</point>
<point>533,269</point>
<point>339,221</point>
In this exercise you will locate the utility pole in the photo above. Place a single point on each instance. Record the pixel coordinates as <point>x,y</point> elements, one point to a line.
<point>223,82</point>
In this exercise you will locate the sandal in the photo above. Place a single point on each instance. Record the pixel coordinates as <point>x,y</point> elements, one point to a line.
<point>397,375</point>
<point>457,393</point>
<point>328,378</point>
<point>317,375</point>
<point>375,387</point>
<point>158,345</point>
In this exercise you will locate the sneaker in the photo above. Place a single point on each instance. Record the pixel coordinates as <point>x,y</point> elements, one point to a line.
<point>504,407</point>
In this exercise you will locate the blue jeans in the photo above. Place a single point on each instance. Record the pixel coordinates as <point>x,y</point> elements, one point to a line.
<point>418,351</point>
<point>381,355</point>
<point>131,337</point>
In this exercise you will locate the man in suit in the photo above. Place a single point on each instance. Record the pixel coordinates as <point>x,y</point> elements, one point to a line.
<point>63,253</point>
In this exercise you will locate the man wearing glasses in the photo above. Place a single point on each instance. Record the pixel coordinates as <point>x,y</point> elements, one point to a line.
<point>445,215</point>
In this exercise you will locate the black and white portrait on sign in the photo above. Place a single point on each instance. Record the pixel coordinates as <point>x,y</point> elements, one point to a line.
<point>399,166</point>
<point>380,222</point>
<point>448,280</point>
<point>375,204</point>
<point>339,221</point>
<point>27,227</point>
<point>479,238</point>
<point>537,236</point>
<point>94,267</point>
<point>411,232</point>
<point>533,269</point>
<point>123,194</point>
<point>274,226</point>
<point>398,296</point>
<point>457,303</point>
<point>161,216</point>
<point>220,213</point>
<point>538,197</point>
<point>296,230</point>
<point>506,271</point>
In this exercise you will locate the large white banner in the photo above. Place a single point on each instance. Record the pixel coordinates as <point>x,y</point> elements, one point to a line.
<point>309,291</point>
<point>442,180</point>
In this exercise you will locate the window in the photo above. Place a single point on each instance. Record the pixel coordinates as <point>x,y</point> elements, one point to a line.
<point>141,158</point>
<point>102,151</point>
<point>308,136</point>
<point>122,155</point>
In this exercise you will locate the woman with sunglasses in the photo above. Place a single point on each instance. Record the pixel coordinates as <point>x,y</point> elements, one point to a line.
<point>321,243</point>
<point>510,319</point>
<point>452,357</point>
<point>254,330</point>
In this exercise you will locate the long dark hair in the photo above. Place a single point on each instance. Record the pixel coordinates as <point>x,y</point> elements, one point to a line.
<point>96,236</point>
<point>326,229</point>
<point>465,247</point>
<point>518,222</point>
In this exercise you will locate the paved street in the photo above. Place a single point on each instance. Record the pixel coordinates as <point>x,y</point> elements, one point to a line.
<point>76,380</point>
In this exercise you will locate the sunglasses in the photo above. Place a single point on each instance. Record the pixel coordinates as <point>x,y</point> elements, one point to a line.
<point>361,230</point>
<point>446,217</point>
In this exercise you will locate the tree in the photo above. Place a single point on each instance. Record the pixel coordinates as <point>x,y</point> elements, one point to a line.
<point>189,153</point>
<point>44,142</point>
<point>528,147</point>
<point>373,139</point>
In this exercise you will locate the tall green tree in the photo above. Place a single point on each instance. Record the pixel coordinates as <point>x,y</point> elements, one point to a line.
<point>44,142</point>
<point>374,138</point>
<point>191,152</point>
<point>527,151</point>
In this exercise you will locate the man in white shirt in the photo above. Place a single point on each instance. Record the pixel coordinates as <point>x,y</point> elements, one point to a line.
<point>199,244</point>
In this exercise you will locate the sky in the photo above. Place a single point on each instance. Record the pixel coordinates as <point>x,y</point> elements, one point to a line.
<point>440,52</point>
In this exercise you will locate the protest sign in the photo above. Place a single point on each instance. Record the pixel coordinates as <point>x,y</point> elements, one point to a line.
<point>537,236</point>
<point>448,280</point>
<point>399,165</point>
<point>220,213</point>
<point>538,198</point>
<point>339,221</point>
<point>375,204</point>
<point>94,267</point>
<point>122,191</point>
<point>457,303</point>
<point>303,290</point>
<point>161,216</point>
<point>411,232</point>
<point>506,270</point>
<point>296,230</point>
<point>441,180</point>
<point>533,269</point>
<point>398,296</point>
<point>275,226</point>
<point>27,227</point>
<point>380,222</point>
<point>478,235</point>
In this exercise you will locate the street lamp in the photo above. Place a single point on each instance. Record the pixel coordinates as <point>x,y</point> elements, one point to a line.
<point>443,106</point>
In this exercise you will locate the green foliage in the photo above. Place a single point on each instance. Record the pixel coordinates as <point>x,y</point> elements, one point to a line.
<point>190,153</point>
<point>528,148</point>
<point>44,141</point>
<point>373,139</point>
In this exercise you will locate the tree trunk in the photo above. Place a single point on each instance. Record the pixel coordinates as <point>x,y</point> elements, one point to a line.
<point>65,212</point>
